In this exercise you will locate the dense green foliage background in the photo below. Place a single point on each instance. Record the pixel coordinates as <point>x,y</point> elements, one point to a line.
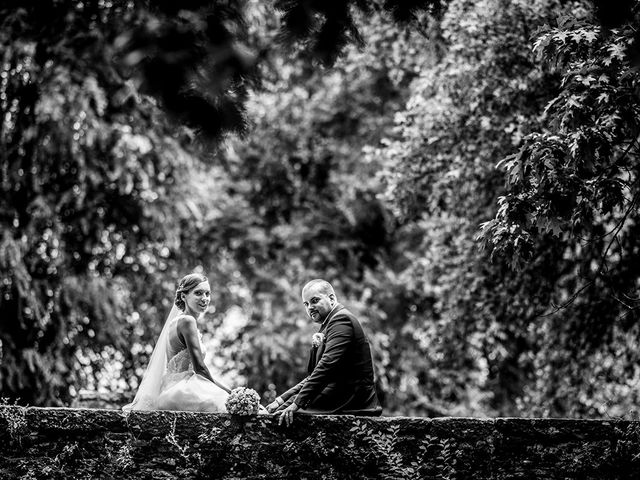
<point>465,173</point>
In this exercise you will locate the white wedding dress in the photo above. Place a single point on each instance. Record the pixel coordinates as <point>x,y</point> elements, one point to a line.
<point>170,382</point>
<point>183,389</point>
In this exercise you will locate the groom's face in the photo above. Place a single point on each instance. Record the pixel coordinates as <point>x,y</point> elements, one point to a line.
<point>317,304</point>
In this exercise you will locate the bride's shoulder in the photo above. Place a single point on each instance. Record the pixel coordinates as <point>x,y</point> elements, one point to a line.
<point>185,320</point>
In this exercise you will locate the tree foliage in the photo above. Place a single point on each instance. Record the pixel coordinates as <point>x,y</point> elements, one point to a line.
<point>89,171</point>
<point>375,133</point>
<point>522,88</point>
<point>575,179</point>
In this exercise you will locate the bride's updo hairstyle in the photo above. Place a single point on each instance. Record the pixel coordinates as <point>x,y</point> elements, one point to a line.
<point>187,284</point>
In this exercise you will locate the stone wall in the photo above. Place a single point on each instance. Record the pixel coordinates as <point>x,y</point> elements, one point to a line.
<point>81,443</point>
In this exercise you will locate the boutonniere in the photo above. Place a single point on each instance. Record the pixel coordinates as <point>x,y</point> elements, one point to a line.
<point>317,339</point>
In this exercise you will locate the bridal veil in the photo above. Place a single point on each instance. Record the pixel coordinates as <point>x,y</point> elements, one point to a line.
<point>149,388</point>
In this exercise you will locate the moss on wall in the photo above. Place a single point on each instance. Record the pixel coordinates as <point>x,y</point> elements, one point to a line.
<point>81,443</point>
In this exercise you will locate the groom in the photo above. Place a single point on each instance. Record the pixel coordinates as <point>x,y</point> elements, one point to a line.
<point>340,379</point>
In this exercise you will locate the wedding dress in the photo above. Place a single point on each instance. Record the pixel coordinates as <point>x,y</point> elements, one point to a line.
<point>183,389</point>
<point>170,383</point>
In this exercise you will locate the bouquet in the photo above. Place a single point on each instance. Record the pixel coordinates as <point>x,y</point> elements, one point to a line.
<point>243,401</point>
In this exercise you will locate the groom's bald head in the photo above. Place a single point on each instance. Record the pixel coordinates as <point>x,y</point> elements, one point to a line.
<point>319,285</point>
<point>318,299</point>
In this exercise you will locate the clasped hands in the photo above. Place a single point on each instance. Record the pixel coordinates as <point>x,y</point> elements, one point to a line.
<point>286,416</point>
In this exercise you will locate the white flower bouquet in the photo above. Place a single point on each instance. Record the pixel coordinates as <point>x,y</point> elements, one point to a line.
<point>243,401</point>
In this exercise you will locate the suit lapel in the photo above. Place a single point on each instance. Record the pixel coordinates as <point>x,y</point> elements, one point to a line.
<point>318,355</point>
<point>312,360</point>
<point>332,314</point>
<point>323,329</point>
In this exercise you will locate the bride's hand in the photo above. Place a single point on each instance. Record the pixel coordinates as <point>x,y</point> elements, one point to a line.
<point>272,407</point>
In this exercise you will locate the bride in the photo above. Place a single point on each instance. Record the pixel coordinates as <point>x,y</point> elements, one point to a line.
<point>177,377</point>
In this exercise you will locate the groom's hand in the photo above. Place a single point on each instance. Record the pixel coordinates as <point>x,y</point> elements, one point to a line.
<point>287,414</point>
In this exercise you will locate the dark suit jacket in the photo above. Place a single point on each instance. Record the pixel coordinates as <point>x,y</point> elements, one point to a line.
<point>340,371</point>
